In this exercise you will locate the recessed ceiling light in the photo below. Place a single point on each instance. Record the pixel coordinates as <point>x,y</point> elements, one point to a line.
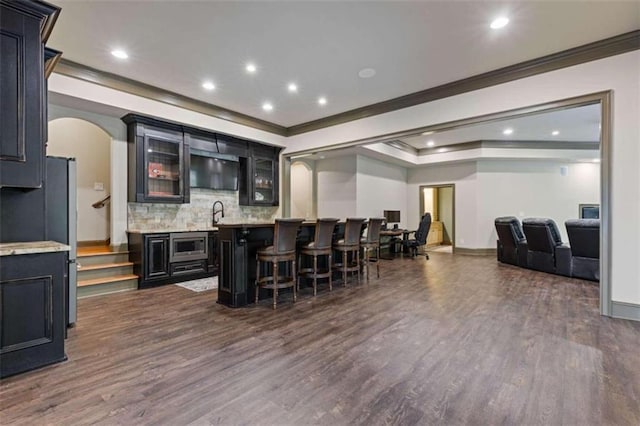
<point>322,100</point>
<point>427,133</point>
<point>507,131</point>
<point>596,160</point>
<point>442,150</point>
<point>251,68</point>
<point>119,53</point>
<point>500,22</point>
<point>367,73</point>
<point>292,87</point>
<point>267,106</point>
<point>322,157</point>
<point>208,85</point>
<point>555,133</point>
<point>430,143</point>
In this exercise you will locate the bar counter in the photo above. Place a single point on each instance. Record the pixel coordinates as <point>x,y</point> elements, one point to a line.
<point>238,246</point>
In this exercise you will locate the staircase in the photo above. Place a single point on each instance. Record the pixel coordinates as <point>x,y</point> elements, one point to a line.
<point>103,270</point>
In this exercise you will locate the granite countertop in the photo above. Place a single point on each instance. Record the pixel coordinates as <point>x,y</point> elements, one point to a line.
<point>32,247</point>
<point>170,230</point>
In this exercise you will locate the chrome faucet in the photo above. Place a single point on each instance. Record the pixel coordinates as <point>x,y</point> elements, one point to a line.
<point>215,212</point>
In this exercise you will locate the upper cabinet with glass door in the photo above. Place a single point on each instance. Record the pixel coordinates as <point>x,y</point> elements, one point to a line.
<point>260,186</point>
<point>158,164</point>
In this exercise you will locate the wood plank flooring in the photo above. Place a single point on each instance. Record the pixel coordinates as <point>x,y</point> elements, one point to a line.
<point>454,340</point>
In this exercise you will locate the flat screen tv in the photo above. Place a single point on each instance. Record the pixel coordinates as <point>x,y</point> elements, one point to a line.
<point>589,211</point>
<point>214,172</point>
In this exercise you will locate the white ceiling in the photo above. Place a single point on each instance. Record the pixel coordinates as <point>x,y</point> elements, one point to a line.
<point>581,124</point>
<point>321,45</point>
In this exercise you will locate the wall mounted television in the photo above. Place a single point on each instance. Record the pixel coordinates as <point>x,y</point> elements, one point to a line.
<point>213,171</point>
<point>589,211</point>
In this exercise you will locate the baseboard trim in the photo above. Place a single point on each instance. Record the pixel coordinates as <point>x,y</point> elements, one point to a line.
<point>475,251</point>
<point>628,311</point>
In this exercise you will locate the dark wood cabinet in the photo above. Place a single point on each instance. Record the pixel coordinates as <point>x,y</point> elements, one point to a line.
<point>32,311</point>
<point>151,257</point>
<point>213,264</point>
<point>156,255</point>
<point>24,28</point>
<point>259,177</point>
<point>160,155</point>
<point>158,169</point>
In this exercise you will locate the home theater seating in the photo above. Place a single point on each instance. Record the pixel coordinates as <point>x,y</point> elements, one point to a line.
<point>536,244</point>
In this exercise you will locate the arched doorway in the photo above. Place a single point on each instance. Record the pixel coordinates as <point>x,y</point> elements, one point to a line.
<point>302,199</point>
<point>90,145</point>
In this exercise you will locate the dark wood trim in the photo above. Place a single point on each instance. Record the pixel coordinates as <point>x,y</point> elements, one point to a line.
<point>511,145</point>
<point>46,11</point>
<point>475,251</point>
<point>113,81</point>
<point>589,52</point>
<point>51,59</point>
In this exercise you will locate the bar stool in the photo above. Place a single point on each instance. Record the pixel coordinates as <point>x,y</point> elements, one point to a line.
<point>372,243</point>
<point>282,250</point>
<point>320,246</point>
<point>350,244</point>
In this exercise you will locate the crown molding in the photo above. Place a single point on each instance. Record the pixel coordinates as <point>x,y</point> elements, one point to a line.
<point>589,52</point>
<point>619,44</point>
<point>511,144</point>
<point>113,81</point>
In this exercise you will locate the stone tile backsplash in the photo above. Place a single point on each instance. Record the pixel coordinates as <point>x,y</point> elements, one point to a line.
<point>196,214</point>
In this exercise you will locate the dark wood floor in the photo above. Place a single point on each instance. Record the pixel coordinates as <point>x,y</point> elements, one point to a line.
<point>453,340</point>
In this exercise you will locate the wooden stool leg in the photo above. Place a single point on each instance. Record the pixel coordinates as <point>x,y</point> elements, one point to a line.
<point>315,274</point>
<point>257,278</point>
<point>275,283</point>
<point>296,275</point>
<point>344,268</point>
<point>330,274</point>
<point>366,261</point>
<point>293,267</point>
<point>357,256</point>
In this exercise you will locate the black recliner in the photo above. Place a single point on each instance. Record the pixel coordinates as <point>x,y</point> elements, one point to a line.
<point>546,252</point>
<point>584,239</point>
<point>512,244</point>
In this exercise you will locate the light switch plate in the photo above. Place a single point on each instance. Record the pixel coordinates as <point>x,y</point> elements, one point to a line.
<point>98,186</point>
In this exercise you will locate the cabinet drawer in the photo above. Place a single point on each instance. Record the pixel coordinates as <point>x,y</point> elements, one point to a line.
<point>185,268</point>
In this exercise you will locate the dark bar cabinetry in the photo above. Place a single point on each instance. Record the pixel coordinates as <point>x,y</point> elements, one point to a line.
<point>32,311</point>
<point>158,170</point>
<point>150,253</point>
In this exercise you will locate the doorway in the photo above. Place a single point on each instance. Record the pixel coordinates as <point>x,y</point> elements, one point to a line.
<point>439,201</point>
<point>91,147</point>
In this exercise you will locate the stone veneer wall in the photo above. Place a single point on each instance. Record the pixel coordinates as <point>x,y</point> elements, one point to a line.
<point>196,214</point>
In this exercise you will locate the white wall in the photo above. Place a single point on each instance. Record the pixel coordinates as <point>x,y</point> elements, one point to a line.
<point>532,189</point>
<point>381,186</point>
<point>118,132</point>
<point>620,74</point>
<point>337,187</point>
<point>464,177</point>
<point>302,190</point>
<point>487,189</point>
<point>91,147</point>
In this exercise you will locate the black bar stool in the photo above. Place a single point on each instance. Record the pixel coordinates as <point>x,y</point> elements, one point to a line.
<point>282,250</point>
<point>372,243</point>
<point>320,246</point>
<point>350,244</point>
